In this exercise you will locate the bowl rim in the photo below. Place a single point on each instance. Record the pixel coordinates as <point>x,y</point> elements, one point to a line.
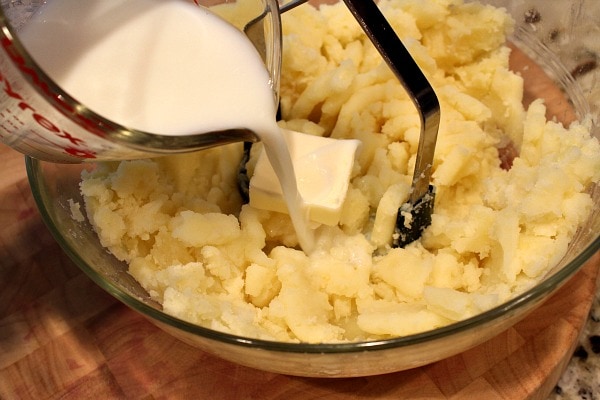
<point>528,297</point>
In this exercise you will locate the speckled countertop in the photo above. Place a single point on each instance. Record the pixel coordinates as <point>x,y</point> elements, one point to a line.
<point>581,379</point>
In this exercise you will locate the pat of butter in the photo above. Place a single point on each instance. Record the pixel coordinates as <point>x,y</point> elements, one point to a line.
<point>322,167</point>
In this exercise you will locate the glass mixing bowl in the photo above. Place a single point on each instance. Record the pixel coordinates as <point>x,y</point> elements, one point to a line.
<point>561,35</point>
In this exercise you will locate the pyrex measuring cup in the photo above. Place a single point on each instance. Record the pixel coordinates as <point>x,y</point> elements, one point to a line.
<point>40,119</point>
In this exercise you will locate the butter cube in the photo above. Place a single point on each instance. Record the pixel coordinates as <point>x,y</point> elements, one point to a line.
<point>322,167</point>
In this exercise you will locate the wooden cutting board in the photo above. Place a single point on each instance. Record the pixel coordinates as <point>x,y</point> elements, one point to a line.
<point>61,336</point>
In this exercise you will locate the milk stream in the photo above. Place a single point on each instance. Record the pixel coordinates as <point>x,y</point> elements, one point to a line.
<point>163,66</point>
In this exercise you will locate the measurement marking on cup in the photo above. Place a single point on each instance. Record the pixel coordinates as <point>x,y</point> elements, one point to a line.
<point>74,144</point>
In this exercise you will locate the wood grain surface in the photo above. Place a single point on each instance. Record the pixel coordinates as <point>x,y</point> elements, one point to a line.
<point>63,337</point>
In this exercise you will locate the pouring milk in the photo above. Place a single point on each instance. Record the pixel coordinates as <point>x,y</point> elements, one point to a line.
<point>168,67</point>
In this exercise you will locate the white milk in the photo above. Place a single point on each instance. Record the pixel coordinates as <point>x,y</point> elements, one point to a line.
<point>166,67</point>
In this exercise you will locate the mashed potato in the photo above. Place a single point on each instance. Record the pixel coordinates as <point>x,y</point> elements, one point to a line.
<point>180,224</point>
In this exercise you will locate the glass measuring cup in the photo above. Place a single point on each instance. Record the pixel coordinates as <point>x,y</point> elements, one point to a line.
<point>42,120</point>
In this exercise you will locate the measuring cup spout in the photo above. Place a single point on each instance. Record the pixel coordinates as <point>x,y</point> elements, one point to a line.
<point>155,98</point>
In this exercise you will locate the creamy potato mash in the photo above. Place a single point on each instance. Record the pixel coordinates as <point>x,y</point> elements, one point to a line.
<point>180,224</point>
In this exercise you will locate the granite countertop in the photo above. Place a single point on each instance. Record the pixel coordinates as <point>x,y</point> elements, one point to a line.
<point>581,379</point>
